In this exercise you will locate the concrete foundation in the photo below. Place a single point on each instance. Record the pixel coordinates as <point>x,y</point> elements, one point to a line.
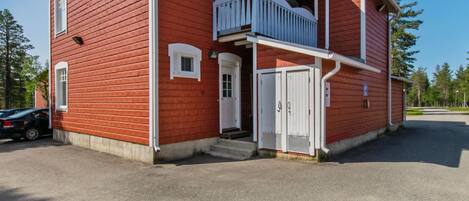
<point>184,150</point>
<point>122,149</point>
<point>347,144</point>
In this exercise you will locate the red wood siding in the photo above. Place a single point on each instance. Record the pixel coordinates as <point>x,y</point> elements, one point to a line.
<point>376,35</point>
<point>39,101</point>
<point>397,101</point>
<point>108,75</point>
<point>268,57</point>
<point>346,117</point>
<point>345,27</point>
<point>189,109</point>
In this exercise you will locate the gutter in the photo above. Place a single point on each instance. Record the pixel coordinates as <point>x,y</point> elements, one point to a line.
<point>329,75</point>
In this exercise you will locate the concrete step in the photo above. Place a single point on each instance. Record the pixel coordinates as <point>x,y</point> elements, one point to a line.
<point>238,144</point>
<point>234,134</point>
<point>235,150</point>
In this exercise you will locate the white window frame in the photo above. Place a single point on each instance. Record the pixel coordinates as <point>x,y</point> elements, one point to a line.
<point>58,67</point>
<point>178,50</point>
<point>63,29</point>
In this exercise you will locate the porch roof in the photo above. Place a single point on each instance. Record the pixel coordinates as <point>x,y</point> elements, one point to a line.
<point>316,52</point>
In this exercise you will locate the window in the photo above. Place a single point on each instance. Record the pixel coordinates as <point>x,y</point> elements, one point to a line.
<point>61,86</point>
<point>227,86</point>
<point>185,61</point>
<point>60,16</point>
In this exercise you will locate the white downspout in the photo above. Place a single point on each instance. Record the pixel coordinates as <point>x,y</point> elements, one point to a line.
<point>153,46</point>
<point>337,68</point>
<point>390,124</point>
<point>326,40</point>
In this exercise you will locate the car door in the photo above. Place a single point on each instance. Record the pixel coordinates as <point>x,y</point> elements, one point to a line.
<point>42,120</point>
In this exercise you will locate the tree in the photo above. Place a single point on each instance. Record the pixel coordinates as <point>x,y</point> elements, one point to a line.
<point>42,82</point>
<point>442,82</point>
<point>402,40</point>
<point>13,51</point>
<point>419,87</point>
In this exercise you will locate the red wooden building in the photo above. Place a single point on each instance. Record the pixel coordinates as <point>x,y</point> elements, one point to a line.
<point>163,79</point>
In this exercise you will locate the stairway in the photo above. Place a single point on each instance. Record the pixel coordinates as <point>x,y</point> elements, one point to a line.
<point>234,133</point>
<point>233,149</point>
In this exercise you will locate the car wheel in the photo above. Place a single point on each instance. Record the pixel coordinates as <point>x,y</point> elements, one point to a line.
<point>31,134</point>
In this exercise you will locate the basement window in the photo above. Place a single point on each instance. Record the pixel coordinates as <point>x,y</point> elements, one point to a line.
<point>60,16</point>
<point>184,61</point>
<point>61,87</point>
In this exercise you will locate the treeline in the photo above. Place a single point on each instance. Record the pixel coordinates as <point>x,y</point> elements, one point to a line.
<point>20,73</point>
<point>445,89</point>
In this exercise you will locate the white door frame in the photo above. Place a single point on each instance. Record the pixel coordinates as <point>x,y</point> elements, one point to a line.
<point>313,102</point>
<point>238,61</point>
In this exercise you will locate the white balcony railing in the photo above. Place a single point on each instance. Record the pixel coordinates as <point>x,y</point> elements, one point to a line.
<point>272,18</point>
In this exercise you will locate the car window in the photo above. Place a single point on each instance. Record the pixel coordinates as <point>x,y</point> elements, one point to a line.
<point>22,114</point>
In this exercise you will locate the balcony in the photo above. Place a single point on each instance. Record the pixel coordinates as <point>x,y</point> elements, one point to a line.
<point>271,18</point>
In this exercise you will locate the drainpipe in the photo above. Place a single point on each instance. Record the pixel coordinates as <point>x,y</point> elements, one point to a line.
<point>390,124</point>
<point>337,68</point>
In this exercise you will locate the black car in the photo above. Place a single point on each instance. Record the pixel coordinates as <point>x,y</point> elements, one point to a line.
<point>7,113</point>
<point>29,124</point>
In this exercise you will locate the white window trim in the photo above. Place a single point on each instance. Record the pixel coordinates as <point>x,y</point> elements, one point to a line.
<point>64,21</point>
<point>61,66</point>
<point>178,50</point>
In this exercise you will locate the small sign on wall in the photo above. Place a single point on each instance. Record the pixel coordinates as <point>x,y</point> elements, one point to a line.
<point>365,90</point>
<point>327,97</point>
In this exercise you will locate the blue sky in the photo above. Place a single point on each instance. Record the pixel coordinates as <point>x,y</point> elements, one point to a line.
<point>444,36</point>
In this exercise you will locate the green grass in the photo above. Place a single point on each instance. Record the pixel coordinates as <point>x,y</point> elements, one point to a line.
<point>413,112</point>
<point>458,109</point>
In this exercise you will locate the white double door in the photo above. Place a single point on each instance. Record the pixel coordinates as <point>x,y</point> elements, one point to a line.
<point>285,111</point>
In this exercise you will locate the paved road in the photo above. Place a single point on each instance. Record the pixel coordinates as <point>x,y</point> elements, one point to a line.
<point>427,161</point>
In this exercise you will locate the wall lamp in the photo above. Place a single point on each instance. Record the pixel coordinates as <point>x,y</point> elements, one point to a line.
<point>78,40</point>
<point>213,54</point>
<point>381,7</point>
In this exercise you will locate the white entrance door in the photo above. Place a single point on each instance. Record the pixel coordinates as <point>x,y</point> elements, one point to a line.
<point>229,96</point>
<point>271,110</point>
<point>298,111</point>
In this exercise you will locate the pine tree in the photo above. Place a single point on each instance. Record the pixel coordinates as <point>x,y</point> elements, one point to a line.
<point>403,40</point>
<point>419,87</point>
<point>13,48</point>
<point>442,83</point>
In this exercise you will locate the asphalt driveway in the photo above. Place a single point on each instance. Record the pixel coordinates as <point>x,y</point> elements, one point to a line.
<point>427,161</point>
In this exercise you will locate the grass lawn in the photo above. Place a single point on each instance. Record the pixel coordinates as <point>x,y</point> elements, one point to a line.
<point>414,112</point>
<point>459,109</point>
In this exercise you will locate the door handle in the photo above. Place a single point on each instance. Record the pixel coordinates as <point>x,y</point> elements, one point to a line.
<point>279,106</point>
<point>289,107</point>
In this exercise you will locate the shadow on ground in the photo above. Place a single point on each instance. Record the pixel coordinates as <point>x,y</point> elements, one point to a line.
<point>435,142</point>
<point>11,146</point>
<point>7,194</point>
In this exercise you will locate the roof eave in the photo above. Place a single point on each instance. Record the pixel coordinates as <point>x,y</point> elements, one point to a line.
<point>316,52</point>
